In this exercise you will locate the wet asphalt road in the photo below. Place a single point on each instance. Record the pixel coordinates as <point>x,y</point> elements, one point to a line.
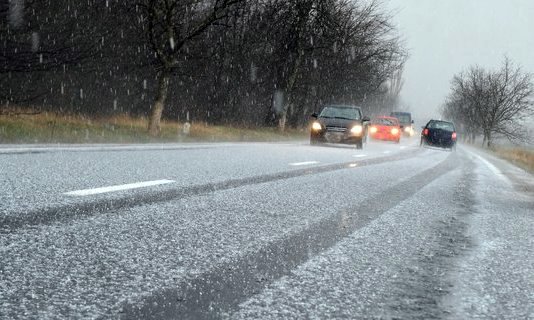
<point>256,231</point>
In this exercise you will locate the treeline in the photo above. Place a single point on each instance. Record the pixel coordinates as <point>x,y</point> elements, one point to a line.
<point>491,103</point>
<point>252,62</point>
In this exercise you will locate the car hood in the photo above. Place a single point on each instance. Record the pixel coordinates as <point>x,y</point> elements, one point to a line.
<point>381,127</point>
<point>334,122</point>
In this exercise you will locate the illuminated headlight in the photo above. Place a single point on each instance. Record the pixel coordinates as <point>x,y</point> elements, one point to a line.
<point>407,129</point>
<point>356,129</point>
<point>317,126</point>
<point>373,129</point>
<point>394,131</point>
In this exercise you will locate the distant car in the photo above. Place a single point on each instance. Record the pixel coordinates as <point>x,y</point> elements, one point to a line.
<point>438,133</point>
<point>339,124</point>
<point>385,128</point>
<point>406,122</point>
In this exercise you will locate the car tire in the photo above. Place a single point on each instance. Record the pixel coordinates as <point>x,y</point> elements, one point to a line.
<point>359,144</point>
<point>315,141</point>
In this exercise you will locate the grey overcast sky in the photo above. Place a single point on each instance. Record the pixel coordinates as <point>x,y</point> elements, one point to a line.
<point>444,37</point>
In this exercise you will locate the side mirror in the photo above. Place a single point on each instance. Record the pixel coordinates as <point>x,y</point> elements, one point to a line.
<point>412,122</point>
<point>366,119</point>
<point>314,115</point>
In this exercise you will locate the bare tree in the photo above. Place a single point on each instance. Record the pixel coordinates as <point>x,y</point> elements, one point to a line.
<point>333,50</point>
<point>493,102</point>
<point>289,24</point>
<point>509,102</point>
<point>223,62</point>
<point>465,102</point>
<point>169,27</point>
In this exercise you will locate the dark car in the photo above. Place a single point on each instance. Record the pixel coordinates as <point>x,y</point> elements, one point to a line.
<point>438,133</point>
<point>339,124</point>
<point>406,122</point>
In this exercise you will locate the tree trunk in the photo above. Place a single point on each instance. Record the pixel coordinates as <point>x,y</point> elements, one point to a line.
<point>282,121</point>
<point>289,92</point>
<point>304,10</point>
<point>487,139</point>
<point>154,121</point>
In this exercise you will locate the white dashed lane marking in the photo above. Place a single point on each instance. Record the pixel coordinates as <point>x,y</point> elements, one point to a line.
<point>122,187</point>
<point>305,163</point>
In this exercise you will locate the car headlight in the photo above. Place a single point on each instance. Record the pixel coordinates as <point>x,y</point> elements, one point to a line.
<point>373,129</point>
<point>317,126</point>
<point>394,131</point>
<point>407,129</point>
<point>356,129</point>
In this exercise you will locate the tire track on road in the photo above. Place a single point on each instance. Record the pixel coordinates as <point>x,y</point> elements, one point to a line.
<point>221,290</point>
<point>421,289</point>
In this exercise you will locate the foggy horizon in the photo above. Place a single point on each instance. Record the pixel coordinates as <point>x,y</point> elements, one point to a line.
<point>445,38</point>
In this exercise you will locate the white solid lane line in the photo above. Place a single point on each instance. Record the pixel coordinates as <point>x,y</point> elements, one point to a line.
<point>305,163</point>
<point>88,192</point>
<point>386,152</point>
<point>359,155</point>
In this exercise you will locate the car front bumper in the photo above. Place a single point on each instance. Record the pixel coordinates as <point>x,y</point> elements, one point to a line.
<point>384,136</point>
<point>336,137</point>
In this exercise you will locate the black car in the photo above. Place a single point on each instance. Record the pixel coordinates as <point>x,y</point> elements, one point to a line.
<point>438,133</point>
<point>339,124</point>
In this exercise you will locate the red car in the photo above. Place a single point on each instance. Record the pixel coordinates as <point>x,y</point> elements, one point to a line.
<point>385,128</point>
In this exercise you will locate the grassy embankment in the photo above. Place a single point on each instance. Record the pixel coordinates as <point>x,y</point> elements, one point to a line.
<point>22,127</point>
<point>520,156</point>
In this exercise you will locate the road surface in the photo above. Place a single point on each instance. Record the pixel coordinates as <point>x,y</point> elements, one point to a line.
<point>264,231</point>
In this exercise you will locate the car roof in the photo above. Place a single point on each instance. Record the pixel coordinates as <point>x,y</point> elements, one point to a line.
<point>385,117</point>
<point>341,106</point>
<point>433,120</point>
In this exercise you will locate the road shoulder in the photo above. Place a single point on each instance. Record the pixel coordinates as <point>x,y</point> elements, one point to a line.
<point>495,278</point>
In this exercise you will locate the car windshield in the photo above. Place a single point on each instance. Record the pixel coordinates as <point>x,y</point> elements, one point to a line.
<point>340,112</point>
<point>442,125</point>
<point>403,118</point>
<point>384,122</point>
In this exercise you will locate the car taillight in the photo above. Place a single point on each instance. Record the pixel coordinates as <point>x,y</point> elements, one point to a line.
<point>425,132</point>
<point>454,136</point>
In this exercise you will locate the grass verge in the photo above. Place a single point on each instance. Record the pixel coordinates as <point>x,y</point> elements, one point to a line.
<point>522,157</point>
<point>27,127</point>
